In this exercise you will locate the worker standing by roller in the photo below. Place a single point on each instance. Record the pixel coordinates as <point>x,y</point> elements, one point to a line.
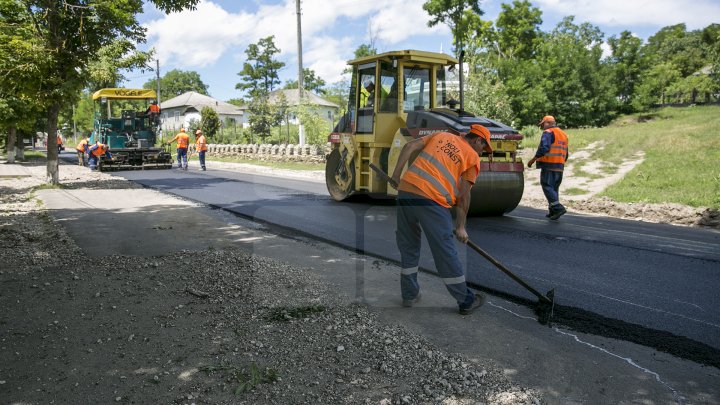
<point>183,140</point>
<point>82,148</point>
<point>201,147</point>
<point>440,177</point>
<point>551,155</point>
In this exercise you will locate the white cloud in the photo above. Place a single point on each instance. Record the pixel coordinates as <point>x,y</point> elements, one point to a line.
<point>618,13</point>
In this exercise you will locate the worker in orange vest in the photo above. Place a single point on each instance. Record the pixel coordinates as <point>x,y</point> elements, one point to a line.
<point>82,148</point>
<point>95,152</point>
<point>183,140</point>
<point>153,112</point>
<point>201,147</point>
<point>59,142</point>
<point>551,155</point>
<point>438,179</point>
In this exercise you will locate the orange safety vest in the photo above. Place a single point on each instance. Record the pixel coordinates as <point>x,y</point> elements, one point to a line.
<point>81,145</point>
<point>439,168</point>
<point>558,149</point>
<point>100,150</point>
<point>154,108</point>
<point>182,139</point>
<point>59,140</point>
<point>200,144</point>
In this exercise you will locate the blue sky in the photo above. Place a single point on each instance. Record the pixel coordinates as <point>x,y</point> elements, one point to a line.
<point>212,39</point>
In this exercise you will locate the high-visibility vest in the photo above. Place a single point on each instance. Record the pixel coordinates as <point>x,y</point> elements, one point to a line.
<point>100,150</point>
<point>182,139</point>
<point>154,108</point>
<point>437,171</point>
<point>200,144</point>
<point>557,155</point>
<point>82,145</point>
<point>59,140</point>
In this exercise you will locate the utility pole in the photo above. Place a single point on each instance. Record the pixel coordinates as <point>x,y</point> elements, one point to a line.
<point>301,128</point>
<point>157,71</point>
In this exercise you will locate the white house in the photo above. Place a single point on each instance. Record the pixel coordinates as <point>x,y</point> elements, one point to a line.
<point>177,112</point>
<point>324,108</point>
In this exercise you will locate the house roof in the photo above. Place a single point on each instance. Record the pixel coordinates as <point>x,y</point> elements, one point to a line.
<point>292,96</point>
<point>197,100</point>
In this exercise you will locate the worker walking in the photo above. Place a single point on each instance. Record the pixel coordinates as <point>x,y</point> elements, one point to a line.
<point>95,152</point>
<point>440,177</point>
<point>82,149</point>
<point>201,147</point>
<point>183,140</point>
<point>551,155</point>
<point>60,142</point>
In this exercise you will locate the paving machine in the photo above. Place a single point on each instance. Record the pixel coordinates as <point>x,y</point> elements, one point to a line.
<point>402,95</point>
<point>121,122</point>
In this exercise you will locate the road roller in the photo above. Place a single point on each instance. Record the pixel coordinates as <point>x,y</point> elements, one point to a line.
<point>399,96</point>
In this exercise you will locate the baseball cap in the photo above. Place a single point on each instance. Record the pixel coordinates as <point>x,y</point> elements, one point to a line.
<point>482,132</point>
<point>547,118</point>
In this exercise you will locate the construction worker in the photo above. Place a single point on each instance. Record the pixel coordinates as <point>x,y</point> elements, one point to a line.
<point>95,152</point>
<point>153,112</point>
<point>183,140</point>
<point>440,177</point>
<point>551,155</point>
<point>59,142</point>
<point>201,147</point>
<point>82,149</point>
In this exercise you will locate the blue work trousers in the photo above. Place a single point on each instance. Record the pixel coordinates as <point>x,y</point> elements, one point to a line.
<point>182,157</point>
<point>92,161</point>
<point>550,182</point>
<point>201,156</point>
<point>416,214</point>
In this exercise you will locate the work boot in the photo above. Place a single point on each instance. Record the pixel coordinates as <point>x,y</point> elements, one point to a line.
<point>479,301</point>
<point>409,303</point>
<point>558,213</point>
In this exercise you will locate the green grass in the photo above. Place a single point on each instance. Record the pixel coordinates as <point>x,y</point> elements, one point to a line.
<point>274,164</point>
<point>682,155</point>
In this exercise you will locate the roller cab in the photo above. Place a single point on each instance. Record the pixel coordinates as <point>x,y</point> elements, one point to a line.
<point>403,95</point>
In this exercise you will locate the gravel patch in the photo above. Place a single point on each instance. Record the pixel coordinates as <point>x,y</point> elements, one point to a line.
<point>202,327</point>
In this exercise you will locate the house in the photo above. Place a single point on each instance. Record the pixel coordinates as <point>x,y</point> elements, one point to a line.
<point>324,108</point>
<point>177,112</point>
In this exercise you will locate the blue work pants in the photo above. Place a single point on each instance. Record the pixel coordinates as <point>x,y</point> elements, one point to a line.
<point>182,157</point>
<point>201,156</point>
<point>550,182</point>
<point>416,214</point>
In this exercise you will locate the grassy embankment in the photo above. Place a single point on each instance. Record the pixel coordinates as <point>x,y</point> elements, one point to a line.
<point>681,149</point>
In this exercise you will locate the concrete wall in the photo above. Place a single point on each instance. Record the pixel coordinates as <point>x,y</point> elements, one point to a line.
<point>294,153</point>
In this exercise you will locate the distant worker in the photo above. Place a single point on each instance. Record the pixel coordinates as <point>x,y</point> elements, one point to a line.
<point>95,152</point>
<point>153,112</point>
<point>183,140</point>
<point>439,178</point>
<point>60,142</point>
<point>201,147</point>
<point>551,155</point>
<point>367,94</point>
<point>82,149</point>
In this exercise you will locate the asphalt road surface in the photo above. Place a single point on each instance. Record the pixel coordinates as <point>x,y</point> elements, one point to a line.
<point>652,284</point>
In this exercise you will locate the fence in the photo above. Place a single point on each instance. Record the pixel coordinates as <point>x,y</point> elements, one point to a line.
<point>267,152</point>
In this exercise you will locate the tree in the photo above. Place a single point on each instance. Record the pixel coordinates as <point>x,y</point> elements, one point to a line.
<point>518,30</point>
<point>461,16</point>
<point>627,64</point>
<point>71,36</point>
<point>259,75</point>
<point>263,116</point>
<point>177,82</point>
<point>209,122</point>
<point>310,82</point>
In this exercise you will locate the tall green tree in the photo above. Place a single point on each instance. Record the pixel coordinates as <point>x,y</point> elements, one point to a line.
<point>260,72</point>
<point>177,82</point>
<point>461,16</point>
<point>71,36</point>
<point>627,64</point>
<point>518,30</point>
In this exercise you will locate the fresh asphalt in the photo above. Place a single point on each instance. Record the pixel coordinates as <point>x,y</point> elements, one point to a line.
<point>659,279</point>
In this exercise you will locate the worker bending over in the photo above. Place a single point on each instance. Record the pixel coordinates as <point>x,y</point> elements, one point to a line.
<point>440,177</point>
<point>82,149</point>
<point>183,140</point>
<point>95,152</point>
<point>551,155</point>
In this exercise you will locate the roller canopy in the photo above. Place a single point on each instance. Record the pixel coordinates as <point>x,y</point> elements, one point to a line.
<point>125,94</point>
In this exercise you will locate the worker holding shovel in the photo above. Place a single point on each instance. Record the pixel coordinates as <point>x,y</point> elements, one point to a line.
<point>440,177</point>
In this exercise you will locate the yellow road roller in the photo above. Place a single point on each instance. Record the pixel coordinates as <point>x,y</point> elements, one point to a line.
<point>398,96</point>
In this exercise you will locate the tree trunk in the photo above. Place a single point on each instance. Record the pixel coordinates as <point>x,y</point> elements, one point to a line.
<point>11,145</point>
<point>19,146</point>
<point>53,176</point>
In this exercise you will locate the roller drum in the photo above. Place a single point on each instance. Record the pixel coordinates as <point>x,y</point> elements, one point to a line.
<point>496,193</point>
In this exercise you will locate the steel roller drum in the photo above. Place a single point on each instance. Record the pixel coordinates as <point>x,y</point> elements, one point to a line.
<point>496,193</point>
